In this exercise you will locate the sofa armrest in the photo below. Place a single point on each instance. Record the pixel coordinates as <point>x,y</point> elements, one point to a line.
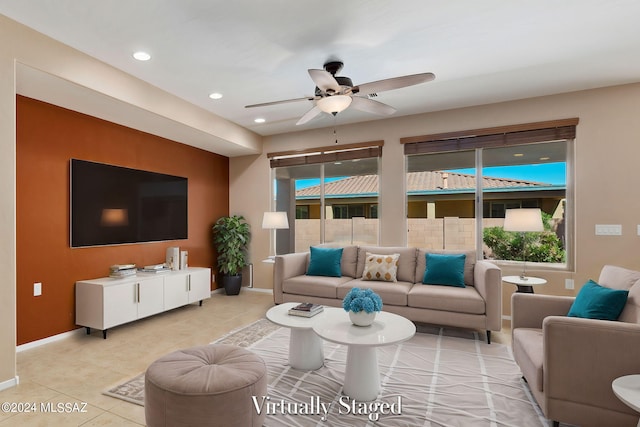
<point>487,278</point>
<point>583,356</point>
<point>287,266</point>
<point>530,310</point>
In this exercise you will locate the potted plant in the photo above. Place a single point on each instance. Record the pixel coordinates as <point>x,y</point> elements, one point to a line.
<point>231,238</point>
<point>362,305</point>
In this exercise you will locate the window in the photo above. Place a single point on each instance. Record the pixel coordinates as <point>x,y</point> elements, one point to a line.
<point>331,190</point>
<point>452,177</point>
<point>302,211</point>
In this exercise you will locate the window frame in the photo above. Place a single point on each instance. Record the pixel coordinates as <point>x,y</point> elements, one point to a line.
<point>505,136</point>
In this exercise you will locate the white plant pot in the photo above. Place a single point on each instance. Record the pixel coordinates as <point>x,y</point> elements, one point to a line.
<point>362,318</point>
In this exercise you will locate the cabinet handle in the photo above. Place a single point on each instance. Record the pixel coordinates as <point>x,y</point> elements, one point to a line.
<point>189,283</point>
<point>138,290</point>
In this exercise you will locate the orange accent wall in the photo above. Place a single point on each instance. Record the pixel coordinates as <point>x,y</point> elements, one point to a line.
<point>47,138</point>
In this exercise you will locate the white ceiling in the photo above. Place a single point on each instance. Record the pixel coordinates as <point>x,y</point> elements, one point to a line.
<point>258,51</point>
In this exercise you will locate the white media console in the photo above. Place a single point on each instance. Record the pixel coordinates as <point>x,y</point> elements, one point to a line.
<point>107,302</point>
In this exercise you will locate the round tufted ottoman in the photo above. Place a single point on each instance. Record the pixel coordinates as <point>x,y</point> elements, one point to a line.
<point>209,385</point>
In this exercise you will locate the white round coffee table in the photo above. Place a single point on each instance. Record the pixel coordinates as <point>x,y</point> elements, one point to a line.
<point>305,347</point>
<point>627,389</point>
<point>361,378</point>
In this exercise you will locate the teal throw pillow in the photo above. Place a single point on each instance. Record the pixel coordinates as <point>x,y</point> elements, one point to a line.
<point>597,302</point>
<point>325,262</point>
<point>445,269</point>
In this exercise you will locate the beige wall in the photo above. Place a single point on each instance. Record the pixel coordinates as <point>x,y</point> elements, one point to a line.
<point>7,221</point>
<point>606,161</point>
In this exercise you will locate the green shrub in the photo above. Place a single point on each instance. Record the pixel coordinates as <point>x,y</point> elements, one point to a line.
<point>541,246</point>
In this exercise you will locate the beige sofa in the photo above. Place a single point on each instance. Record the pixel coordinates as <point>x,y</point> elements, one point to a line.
<point>569,362</point>
<point>476,306</point>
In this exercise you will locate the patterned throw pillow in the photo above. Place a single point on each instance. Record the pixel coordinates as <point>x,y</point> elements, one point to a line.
<point>381,267</point>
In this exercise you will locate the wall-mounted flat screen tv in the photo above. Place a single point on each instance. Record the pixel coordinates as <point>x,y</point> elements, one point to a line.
<point>113,205</point>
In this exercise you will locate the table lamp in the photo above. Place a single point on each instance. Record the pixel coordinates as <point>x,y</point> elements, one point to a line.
<point>523,220</point>
<point>274,221</point>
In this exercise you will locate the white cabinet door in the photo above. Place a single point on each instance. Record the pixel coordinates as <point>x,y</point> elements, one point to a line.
<point>150,296</point>
<point>120,304</point>
<point>176,290</point>
<point>199,284</point>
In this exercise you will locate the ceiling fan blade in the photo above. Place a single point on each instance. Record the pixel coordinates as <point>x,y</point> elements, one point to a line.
<point>284,101</point>
<point>393,83</point>
<point>309,115</point>
<point>370,106</point>
<point>324,80</point>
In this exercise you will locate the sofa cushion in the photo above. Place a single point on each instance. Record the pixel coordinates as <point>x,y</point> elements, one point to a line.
<point>529,355</point>
<point>325,262</point>
<point>349,260</point>
<point>381,267</point>
<point>614,277</point>
<point>316,286</point>
<point>469,263</point>
<point>446,298</point>
<point>444,269</point>
<point>406,261</point>
<point>391,293</point>
<point>631,311</point>
<point>597,302</point>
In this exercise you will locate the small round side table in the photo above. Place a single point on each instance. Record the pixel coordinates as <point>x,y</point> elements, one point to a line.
<point>525,284</point>
<point>627,389</point>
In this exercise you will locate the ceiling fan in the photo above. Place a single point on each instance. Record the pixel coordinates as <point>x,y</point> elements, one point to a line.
<point>334,94</point>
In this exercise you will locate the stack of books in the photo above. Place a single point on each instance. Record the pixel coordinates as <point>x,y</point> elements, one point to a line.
<point>306,309</point>
<point>156,268</point>
<point>122,270</point>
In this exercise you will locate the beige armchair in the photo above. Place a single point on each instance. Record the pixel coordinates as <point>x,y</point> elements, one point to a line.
<point>569,362</point>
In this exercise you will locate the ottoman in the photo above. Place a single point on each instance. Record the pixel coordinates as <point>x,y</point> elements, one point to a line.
<point>208,385</point>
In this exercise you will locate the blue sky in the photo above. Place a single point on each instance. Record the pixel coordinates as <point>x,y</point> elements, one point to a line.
<point>549,173</point>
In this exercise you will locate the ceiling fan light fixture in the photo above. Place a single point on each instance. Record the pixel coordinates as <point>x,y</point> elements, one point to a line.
<point>334,104</point>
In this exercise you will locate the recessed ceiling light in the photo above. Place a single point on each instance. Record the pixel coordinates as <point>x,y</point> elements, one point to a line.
<point>142,56</point>
<point>545,158</point>
<point>215,95</point>
<point>259,120</point>
<point>518,155</point>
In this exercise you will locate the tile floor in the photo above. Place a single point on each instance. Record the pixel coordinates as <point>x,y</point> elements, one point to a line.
<point>78,368</point>
<point>75,370</point>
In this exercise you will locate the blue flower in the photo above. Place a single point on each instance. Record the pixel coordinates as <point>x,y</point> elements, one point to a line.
<point>362,299</point>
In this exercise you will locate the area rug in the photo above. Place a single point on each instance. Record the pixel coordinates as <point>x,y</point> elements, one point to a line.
<point>441,377</point>
<point>132,390</point>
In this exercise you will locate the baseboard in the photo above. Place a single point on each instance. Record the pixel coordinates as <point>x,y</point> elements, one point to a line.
<point>10,383</point>
<point>43,341</point>
<point>245,289</point>
<point>263,290</point>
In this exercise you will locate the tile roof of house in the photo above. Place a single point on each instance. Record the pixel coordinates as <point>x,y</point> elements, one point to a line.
<point>417,182</point>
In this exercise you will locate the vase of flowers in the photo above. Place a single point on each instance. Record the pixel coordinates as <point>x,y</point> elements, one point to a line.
<point>362,306</point>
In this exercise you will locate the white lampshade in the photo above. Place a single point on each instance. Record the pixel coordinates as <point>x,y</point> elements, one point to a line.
<point>275,220</point>
<point>522,220</point>
<point>334,104</point>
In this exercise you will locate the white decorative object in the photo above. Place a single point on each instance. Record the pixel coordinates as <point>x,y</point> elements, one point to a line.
<point>362,318</point>
<point>184,263</point>
<point>173,258</point>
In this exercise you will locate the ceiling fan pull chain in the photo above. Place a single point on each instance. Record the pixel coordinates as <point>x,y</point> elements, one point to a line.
<point>335,135</point>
